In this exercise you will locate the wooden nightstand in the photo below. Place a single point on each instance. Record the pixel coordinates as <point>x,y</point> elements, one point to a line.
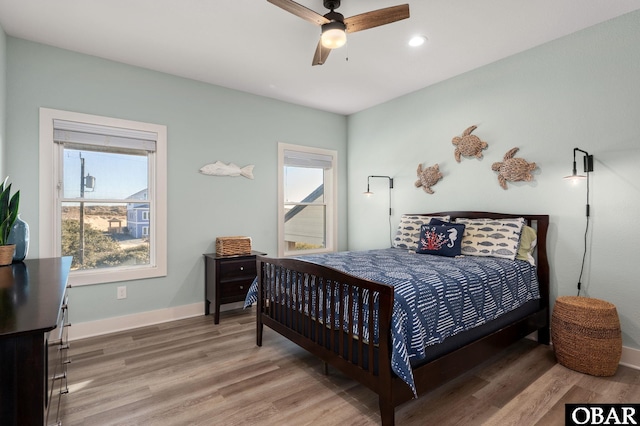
<point>227,279</point>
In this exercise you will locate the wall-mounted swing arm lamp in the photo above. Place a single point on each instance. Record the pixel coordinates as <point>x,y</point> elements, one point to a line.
<point>575,177</point>
<point>369,193</point>
<point>587,161</point>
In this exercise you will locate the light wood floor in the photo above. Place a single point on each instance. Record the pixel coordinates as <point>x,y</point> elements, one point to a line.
<point>192,372</point>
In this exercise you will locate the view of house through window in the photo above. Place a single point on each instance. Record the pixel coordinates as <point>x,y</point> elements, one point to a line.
<point>307,192</point>
<point>106,181</point>
<point>104,212</point>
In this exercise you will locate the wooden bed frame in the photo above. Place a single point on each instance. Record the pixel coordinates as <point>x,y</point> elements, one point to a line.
<point>348,350</point>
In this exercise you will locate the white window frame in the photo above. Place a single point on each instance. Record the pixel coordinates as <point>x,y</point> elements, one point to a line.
<point>330,195</point>
<point>50,207</point>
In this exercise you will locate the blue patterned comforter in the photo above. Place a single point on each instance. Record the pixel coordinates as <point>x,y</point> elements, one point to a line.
<point>435,297</point>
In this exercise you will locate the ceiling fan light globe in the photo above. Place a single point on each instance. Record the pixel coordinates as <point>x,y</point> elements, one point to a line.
<point>333,35</point>
<point>418,40</point>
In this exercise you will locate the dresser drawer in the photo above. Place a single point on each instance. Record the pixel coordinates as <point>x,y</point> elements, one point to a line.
<point>53,411</point>
<point>54,364</point>
<point>57,359</point>
<point>237,269</point>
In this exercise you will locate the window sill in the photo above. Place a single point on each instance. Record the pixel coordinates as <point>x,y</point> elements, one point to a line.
<point>110,275</point>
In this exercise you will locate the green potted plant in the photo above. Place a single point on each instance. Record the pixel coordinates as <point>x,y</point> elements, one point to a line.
<point>8,214</point>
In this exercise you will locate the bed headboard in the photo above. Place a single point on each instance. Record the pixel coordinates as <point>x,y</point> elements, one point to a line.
<point>539,222</point>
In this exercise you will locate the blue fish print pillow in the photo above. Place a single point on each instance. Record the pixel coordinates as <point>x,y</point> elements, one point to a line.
<point>491,237</point>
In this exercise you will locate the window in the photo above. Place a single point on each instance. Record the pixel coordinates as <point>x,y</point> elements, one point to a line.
<point>307,210</point>
<point>103,196</point>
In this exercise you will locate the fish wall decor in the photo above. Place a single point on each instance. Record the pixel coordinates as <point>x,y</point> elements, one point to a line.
<point>221,169</point>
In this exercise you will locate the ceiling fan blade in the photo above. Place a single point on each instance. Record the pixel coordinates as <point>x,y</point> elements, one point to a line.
<point>375,18</point>
<point>321,55</point>
<point>300,11</point>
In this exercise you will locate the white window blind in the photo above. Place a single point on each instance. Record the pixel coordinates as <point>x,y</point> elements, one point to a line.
<point>72,132</point>
<point>307,159</point>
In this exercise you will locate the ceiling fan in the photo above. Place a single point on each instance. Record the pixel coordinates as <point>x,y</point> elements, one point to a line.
<point>334,25</point>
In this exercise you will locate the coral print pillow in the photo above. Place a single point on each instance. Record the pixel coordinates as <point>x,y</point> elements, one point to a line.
<point>441,240</point>
<point>409,230</point>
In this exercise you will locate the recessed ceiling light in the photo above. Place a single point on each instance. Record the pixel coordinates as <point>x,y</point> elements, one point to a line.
<point>418,40</point>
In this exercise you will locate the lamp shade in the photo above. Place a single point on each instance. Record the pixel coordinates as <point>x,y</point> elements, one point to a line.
<point>333,35</point>
<point>574,177</point>
<point>588,166</point>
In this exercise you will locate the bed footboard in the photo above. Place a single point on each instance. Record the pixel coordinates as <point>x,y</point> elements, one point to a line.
<point>343,320</point>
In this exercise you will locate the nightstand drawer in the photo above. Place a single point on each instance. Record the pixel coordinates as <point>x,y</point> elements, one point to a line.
<point>234,290</point>
<point>237,269</point>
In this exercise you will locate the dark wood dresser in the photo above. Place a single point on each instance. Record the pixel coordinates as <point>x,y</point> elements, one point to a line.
<point>33,342</point>
<point>227,279</point>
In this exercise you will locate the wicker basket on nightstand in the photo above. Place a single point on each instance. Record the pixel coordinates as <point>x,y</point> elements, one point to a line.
<point>586,335</point>
<point>233,246</point>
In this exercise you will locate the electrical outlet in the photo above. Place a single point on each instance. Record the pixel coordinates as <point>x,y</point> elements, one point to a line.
<point>122,292</point>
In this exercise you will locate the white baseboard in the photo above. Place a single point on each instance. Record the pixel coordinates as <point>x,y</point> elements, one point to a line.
<point>111,325</point>
<point>630,357</point>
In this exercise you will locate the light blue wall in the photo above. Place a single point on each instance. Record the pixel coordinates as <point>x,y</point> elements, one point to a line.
<point>579,91</point>
<point>3,100</point>
<point>205,123</point>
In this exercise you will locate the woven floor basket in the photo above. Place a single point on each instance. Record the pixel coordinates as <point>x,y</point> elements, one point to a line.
<point>586,335</point>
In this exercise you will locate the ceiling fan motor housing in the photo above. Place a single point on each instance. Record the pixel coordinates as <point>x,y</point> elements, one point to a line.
<point>332,4</point>
<point>334,16</point>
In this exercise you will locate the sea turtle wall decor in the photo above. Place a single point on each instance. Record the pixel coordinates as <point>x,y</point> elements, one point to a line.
<point>513,169</point>
<point>428,177</point>
<point>468,145</point>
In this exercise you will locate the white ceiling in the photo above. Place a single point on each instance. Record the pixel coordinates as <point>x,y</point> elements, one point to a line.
<point>256,47</point>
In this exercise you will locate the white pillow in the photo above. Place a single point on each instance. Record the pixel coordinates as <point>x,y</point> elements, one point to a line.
<point>491,237</point>
<point>408,233</point>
